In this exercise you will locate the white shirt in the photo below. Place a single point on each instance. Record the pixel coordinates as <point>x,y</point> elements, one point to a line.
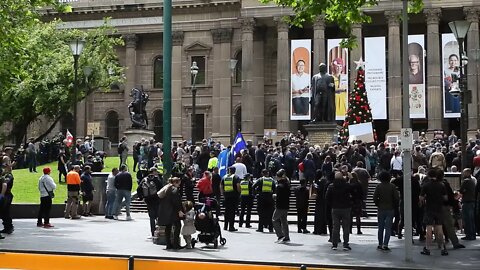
<point>396,163</point>
<point>240,170</point>
<point>46,181</point>
<point>111,182</point>
<point>300,82</point>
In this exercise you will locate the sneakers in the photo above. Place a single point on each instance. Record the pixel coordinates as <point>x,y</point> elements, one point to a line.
<point>279,239</point>
<point>48,226</point>
<point>306,231</point>
<point>39,224</point>
<point>285,240</point>
<point>444,252</point>
<point>347,248</point>
<point>129,218</point>
<point>334,247</point>
<point>387,249</point>
<point>76,217</point>
<point>425,251</point>
<point>115,217</point>
<point>379,247</point>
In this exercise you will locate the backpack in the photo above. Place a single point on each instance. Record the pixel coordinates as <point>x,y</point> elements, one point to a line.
<point>148,188</point>
<point>120,148</point>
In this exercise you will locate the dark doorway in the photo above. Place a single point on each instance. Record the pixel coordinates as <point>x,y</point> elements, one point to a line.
<point>199,132</point>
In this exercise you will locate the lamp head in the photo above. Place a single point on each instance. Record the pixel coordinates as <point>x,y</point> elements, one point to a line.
<point>459,29</point>
<point>194,69</point>
<point>76,46</point>
<point>233,64</point>
<point>455,91</point>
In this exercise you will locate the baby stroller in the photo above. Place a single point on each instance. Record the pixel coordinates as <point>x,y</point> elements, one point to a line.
<point>207,223</point>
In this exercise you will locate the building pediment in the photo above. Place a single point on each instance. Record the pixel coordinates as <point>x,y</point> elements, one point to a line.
<point>197,47</point>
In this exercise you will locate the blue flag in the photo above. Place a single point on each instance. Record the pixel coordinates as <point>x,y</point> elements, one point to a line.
<point>223,163</point>
<point>238,144</point>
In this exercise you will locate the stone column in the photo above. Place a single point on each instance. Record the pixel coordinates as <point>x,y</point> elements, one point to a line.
<point>131,78</point>
<point>473,50</point>
<point>222,84</point>
<point>283,74</point>
<point>248,25</point>
<point>394,72</point>
<point>177,43</point>
<point>258,84</point>
<point>318,43</point>
<point>355,54</point>
<point>434,75</point>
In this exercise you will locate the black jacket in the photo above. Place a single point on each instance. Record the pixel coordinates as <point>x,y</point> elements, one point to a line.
<point>123,181</point>
<point>282,192</point>
<point>339,194</point>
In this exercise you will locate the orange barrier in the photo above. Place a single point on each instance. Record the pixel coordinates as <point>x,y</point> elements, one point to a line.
<point>29,261</point>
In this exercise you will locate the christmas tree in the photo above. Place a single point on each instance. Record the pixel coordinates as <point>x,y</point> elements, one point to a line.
<point>359,114</point>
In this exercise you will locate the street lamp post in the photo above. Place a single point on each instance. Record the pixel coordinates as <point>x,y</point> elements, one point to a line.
<point>194,72</point>
<point>87,71</point>
<point>460,30</point>
<point>233,65</point>
<point>76,46</point>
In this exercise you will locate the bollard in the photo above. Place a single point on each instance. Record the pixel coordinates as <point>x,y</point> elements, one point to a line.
<point>131,263</point>
<point>303,267</point>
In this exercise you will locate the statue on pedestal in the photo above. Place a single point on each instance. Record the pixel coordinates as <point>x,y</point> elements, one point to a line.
<point>136,109</point>
<point>323,96</point>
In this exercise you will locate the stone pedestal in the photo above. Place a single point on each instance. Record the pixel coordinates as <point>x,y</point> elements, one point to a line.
<point>322,133</point>
<point>137,135</point>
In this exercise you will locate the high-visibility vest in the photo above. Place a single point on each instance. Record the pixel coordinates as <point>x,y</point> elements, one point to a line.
<point>212,163</point>
<point>245,188</point>
<point>267,183</point>
<point>228,183</point>
<point>160,168</point>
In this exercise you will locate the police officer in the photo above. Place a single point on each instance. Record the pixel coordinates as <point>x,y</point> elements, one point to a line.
<point>6,196</point>
<point>231,192</point>
<point>264,187</point>
<point>246,200</point>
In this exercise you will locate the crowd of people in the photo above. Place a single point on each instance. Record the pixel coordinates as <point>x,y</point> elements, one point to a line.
<point>336,176</point>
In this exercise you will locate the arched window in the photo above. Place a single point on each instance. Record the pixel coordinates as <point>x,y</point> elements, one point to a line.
<point>237,121</point>
<point>66,123</point>
<point>271,119</point>
<point>238,68</point>
<point>112,126</point>
<point>158,72</point>
<point>158,125</point>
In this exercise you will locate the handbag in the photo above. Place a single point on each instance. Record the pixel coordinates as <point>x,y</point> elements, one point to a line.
<point>50,192</point>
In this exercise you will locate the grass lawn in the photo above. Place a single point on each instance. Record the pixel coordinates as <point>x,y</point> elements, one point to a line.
<point>25,188</point>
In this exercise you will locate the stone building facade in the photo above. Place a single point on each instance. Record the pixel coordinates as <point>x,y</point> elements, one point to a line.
<point>254,95</point>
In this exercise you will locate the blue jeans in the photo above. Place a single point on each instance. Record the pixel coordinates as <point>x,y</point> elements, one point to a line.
<point>109,206</point>
<point>468,212</point>
<point>385,219</point>
<point>121,194</point>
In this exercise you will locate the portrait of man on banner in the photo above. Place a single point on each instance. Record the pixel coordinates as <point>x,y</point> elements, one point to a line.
<point>338,69</point>
<point>300,84</point>
<point>451,73</point>
<point>416,78</point>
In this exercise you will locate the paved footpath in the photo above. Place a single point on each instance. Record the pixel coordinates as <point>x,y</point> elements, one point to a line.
<point>96,235</point>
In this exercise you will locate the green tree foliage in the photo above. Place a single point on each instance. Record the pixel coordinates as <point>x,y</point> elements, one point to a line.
<point>359,110</point>
<point>17,17</point>
<point>343,13</point>
<point>44,76</point>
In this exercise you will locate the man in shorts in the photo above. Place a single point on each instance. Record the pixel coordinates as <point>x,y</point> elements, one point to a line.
<point>433,195</point>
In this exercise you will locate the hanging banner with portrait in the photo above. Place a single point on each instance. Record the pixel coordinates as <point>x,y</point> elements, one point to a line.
<point>338,68</point>
<point>451,72</point>
<point>416,76</point>
<point>300,79</point>
<point>376,76</point>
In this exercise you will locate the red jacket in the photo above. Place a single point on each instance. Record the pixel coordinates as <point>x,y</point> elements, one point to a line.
<point>204,185</point>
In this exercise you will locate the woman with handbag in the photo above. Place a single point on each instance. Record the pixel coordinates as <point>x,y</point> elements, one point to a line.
<point>46,186</point>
